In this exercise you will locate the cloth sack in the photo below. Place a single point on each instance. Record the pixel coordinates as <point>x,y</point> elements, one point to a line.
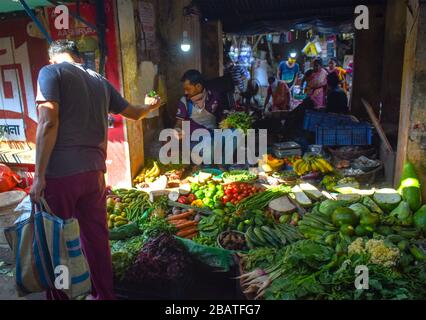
<point>48,254</point>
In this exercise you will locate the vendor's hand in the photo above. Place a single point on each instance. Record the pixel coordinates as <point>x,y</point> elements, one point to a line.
<point>39,184</point>
<point>153,103</point>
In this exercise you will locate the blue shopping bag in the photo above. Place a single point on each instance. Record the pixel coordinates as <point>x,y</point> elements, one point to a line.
<point>48,254</point>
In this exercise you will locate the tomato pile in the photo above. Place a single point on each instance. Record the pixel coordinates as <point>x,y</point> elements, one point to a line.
<point>235,192</point>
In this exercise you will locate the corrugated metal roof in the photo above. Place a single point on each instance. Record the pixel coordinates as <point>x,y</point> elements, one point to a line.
<point>15,5</point>
<point>245,16</point>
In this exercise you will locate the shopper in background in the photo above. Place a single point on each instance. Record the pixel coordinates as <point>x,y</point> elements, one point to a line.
<point>288,71</point>
<point>337,101</point>
<point>317,84</point>
<point>236,72</point>
<point>73,104</point>
<point>280,94</point>
<point>333,67</point>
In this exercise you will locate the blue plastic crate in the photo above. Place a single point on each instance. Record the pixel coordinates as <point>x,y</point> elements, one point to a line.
<point>359,134</point>
<point>314,119</point>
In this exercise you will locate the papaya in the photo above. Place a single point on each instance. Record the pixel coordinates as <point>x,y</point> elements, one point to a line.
<point>402,214</point>
<point>369,219</point>
<point>410,188</point>
<point>347,229</point>
<point>420,219</point>
<point>344,216</point>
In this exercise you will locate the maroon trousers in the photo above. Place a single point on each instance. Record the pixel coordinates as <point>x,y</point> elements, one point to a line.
<point>83,196</point>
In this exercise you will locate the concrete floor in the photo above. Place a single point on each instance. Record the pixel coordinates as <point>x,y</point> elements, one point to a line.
<point>7,282</point>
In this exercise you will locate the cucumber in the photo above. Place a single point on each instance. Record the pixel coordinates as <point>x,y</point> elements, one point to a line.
<point>314,219</point>
<point>385,230</point>
<point>418,254</point>
<point>408,233</point>
<point>257,231</point>
<point>254,239</point>
<point>313,224</point>
<point>395,238</point>
<point>283,236</point>
<point>275,238</point>
<point>310,230</point>
<point>402,245</point>
<point>269,239</point>
<point>250,244</point>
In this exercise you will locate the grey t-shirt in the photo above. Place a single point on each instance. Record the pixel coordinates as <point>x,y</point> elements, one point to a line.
<point>85,98</point>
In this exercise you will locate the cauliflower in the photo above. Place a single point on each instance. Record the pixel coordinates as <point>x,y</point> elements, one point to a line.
<point>357,247</point>
<point>377,250</point>
<point>381,254</point>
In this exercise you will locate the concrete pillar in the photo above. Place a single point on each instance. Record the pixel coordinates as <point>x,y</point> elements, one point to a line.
<point>134,131</point>
<point>212,49</point>
<point>171,24</point>
<point>393,60</point>
<point>412,129</point>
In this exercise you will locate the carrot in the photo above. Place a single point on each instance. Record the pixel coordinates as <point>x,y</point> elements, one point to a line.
<point>186,224</point>
<point>186,232</point>
<point>176,222</point>
<point>191,236</point>
<point>180,216</point>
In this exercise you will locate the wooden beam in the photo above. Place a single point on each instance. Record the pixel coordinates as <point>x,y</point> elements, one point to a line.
<point>212,49</point>
<point>408,76</point>
<point>377,125</point>
<point>134,130</point>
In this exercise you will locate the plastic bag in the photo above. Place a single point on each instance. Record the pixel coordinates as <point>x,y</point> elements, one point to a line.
<point>24,209</point>
<point>124,232</point>
<point>8,178</point>
<point>213,257</point>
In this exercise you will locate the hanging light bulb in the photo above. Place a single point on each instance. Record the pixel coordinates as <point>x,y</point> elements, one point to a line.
<point>185,45</point>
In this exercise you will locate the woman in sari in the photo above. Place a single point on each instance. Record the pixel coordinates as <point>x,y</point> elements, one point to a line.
<point>317,85</point>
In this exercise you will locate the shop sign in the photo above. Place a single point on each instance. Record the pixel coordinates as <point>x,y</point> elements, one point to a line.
<point>12,130</point>
<point>18,114</point>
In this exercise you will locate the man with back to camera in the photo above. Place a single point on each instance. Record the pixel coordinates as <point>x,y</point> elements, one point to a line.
<point>73,104</point>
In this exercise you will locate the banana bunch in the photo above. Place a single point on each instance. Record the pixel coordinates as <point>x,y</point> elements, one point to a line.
<point>140,177</point>
<point>148,175</point>
<point>312,163</point>
<point>152,173</point>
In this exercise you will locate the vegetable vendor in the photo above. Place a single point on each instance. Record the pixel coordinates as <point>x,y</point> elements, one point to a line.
<point>200,106</point>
